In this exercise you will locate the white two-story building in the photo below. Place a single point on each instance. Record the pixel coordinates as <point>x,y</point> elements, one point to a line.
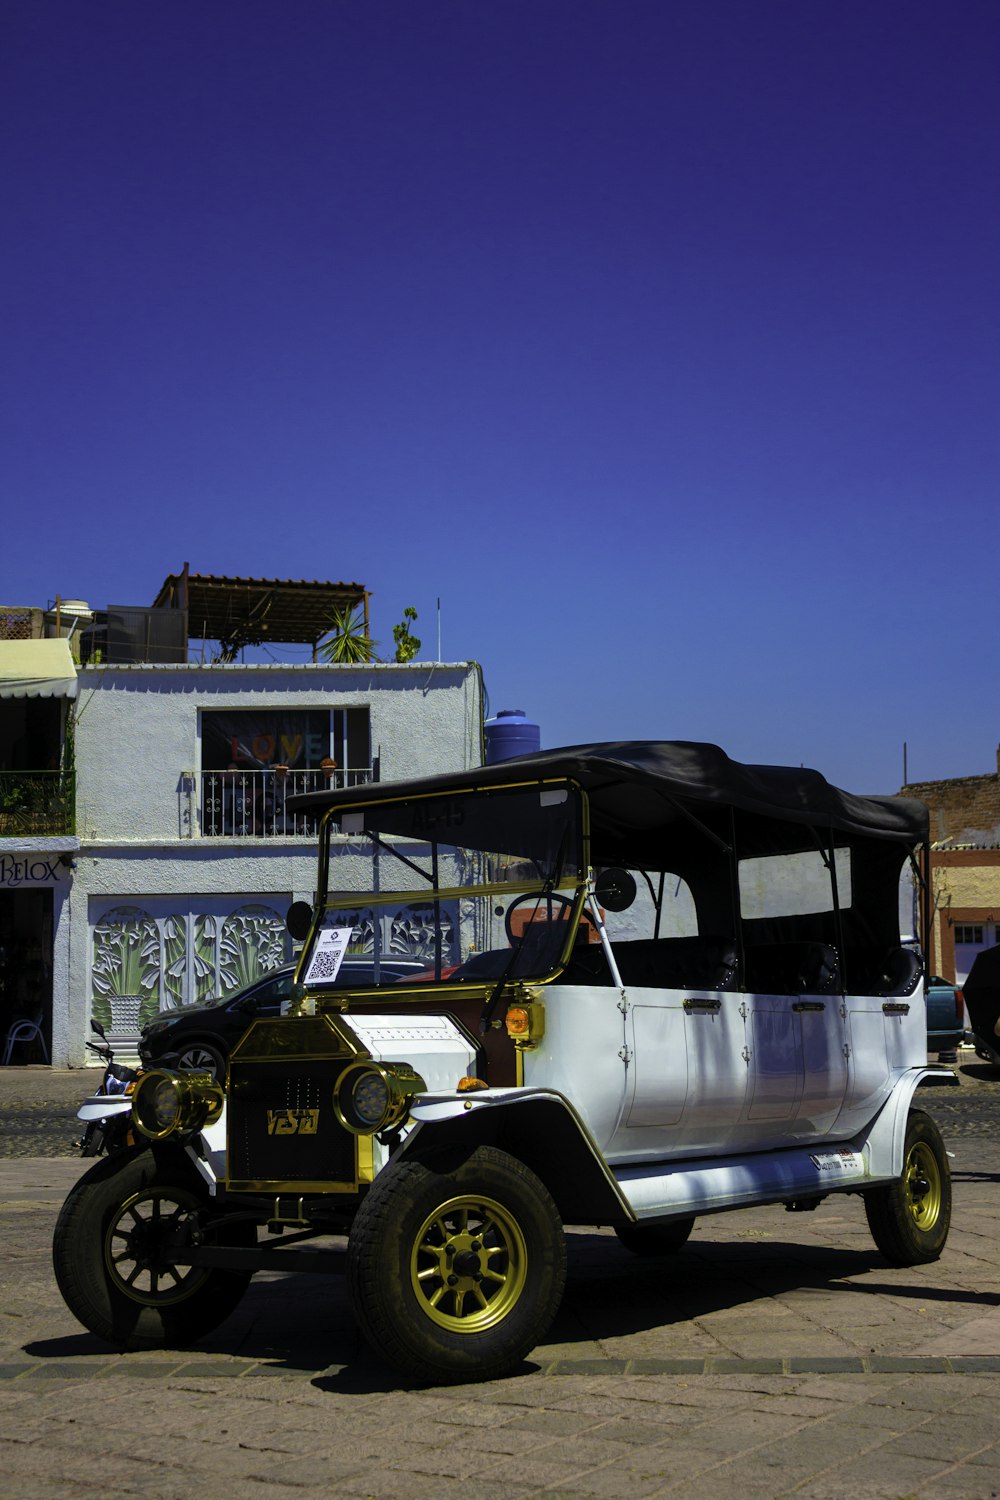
<point>187,860</point>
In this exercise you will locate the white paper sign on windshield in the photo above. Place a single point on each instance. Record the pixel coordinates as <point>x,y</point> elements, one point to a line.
<point>328,954</point>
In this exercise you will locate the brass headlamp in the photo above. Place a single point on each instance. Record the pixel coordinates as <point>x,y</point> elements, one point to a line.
<point>169,1103</point>
<point>372,1096</point>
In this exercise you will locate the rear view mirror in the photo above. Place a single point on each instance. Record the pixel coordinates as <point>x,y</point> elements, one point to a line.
<point>298,920</point>
<point>615,890</point>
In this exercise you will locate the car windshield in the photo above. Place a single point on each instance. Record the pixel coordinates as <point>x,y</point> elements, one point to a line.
<point>469,884</point>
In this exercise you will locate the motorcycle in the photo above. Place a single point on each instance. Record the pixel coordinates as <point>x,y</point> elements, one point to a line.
<point>108,1113</point>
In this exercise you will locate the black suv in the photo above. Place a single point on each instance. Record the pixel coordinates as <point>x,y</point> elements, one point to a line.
<point>202,1036</point>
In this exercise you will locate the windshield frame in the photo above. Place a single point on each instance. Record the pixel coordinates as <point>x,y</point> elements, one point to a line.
<point>572,887</point>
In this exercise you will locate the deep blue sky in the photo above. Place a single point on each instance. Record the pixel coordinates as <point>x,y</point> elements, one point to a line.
<point>658,339</point>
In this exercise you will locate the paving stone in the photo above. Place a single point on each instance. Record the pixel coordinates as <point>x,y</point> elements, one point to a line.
<point>744,1366</point>
<point>138,1370</point>
<point>666,1367</point>
<point>588,1367</point>
<point>614,1481</point>
<point>879,1365</point>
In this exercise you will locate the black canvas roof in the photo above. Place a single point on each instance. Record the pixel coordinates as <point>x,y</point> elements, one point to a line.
<point>647,784</point>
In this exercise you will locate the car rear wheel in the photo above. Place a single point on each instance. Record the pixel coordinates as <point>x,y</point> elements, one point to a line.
<point>909,1219</point>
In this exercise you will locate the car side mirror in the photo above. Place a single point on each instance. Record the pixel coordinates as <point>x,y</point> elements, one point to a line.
<point>298,920</point>
<point>615,889</point>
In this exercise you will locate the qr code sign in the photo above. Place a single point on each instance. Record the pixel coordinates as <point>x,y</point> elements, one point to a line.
<point>328,956</point>
<point>325,965</point>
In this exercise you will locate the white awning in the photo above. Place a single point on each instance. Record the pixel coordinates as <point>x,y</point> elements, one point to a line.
<point>37,669</point>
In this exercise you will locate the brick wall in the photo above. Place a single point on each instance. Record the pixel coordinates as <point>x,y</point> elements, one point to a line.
<point>964,810</point>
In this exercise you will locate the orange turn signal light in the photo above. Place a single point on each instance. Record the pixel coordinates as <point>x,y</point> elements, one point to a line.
<point>469,1085</point>
<point>525,1023</point>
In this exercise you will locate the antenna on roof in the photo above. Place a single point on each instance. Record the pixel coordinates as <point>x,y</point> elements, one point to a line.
<point>439,628</point>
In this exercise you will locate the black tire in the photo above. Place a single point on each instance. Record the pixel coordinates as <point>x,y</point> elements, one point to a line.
<point>456,1274</point>
<point>112,1257</point>
<point>204,1058</point>
<point>909,1219</point>
<point>655,1239</point>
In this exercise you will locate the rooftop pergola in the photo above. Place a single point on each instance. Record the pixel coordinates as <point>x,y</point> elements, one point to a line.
<point>239,612</point>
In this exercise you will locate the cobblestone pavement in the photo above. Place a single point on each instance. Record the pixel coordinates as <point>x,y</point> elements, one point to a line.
<point>777,1354</point>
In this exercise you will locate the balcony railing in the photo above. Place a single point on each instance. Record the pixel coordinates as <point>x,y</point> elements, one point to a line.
<point>253,804</point>
<point>37,802</point>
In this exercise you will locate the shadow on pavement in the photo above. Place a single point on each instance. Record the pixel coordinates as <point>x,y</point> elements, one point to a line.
<point>370,1379</point>
<point>983,1072</point>
<point>303,1323</point>
<point>66,1347</point>
<point>612,1294</point>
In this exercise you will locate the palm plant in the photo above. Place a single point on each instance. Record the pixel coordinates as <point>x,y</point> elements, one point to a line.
<point>349,642</point>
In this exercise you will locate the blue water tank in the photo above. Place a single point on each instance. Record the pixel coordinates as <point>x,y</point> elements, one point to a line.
<point>510,733</point>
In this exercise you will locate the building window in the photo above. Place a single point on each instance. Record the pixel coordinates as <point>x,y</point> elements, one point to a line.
<point>253,761</point>
<point>968,933</point>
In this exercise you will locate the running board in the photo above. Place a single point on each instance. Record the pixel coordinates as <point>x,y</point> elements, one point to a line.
<point>719,1183</point>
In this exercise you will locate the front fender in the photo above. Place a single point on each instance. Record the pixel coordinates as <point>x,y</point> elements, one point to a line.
<point>537,1126</point>
<point>103,1106</point>
<point>207,1151</point>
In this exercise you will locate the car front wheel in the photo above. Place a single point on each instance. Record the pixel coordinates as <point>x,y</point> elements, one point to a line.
<point>456,1274</point>
<point>118,1254</point>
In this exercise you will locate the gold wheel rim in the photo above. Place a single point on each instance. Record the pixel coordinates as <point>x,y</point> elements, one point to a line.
<point>469,1264</point>
<point>922,1180</point>
<point>134,1250</point>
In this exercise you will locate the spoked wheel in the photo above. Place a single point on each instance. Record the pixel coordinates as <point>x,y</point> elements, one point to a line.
<point>909,1219</point>
<point>456,1275</point>
<point>142,1240</point>
<point>119,1248</point>
<point>468,1264</point>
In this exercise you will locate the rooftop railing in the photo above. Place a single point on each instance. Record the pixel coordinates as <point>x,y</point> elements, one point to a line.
<point>253,804</point>
<point>37,803</point>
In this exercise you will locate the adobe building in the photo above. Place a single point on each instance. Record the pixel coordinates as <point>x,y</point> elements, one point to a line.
<point>965,868</point>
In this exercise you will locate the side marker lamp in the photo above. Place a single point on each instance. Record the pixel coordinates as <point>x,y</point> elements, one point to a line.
<point>525,1024</point>
<point>370,1096</point>
<point>168,1103</point>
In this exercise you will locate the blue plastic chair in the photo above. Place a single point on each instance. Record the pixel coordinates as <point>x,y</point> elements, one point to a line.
<point>25,1030</point>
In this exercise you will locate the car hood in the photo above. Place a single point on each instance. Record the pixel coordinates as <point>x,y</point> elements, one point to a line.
<point>175,1012</point>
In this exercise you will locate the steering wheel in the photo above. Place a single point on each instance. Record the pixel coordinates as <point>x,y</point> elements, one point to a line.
<point>537,898</point>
